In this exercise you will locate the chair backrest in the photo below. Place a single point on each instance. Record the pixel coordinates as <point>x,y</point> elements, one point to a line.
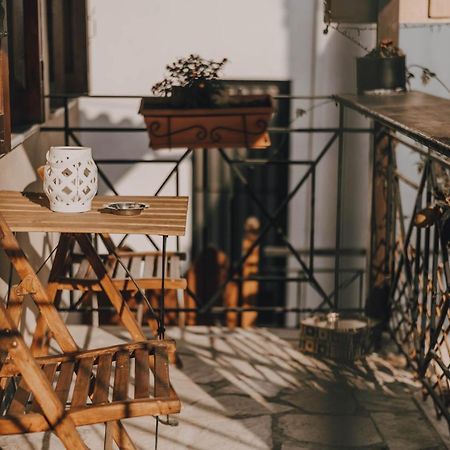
<point>30,284</point>
<point>13,345</point>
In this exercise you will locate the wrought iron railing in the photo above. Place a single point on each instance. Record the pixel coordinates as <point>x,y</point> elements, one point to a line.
<point>416,264</point>
<point>307,271</point>
<point>420,271</point>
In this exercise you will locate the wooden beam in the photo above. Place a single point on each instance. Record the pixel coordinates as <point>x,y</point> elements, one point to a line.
<point>388,24</point>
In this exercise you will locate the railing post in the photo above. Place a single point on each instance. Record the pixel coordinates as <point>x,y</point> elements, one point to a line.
<point>337,264</point>
<point>377,305</point>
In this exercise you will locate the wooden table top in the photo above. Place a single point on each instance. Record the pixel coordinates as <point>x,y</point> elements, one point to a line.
<point>30,212</point>
<point>423,117</point>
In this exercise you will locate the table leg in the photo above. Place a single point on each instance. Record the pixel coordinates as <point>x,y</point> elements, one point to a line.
<point>23,268</point>
<point>41,337</point>
<point>161,328</point>
<point>110,289</point>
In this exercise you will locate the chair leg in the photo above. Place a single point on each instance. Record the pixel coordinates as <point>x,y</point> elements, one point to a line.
<point>108,436</point>
<point>68,435</point>
<point>121,436</point>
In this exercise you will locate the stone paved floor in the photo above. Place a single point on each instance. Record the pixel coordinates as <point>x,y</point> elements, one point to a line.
<point>253,390</point>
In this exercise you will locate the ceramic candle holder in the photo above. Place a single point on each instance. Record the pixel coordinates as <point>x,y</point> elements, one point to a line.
<point>70,179</point>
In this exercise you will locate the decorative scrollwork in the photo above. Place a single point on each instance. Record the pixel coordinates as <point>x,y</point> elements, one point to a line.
<point>166,128</point>
<point>200,135</point>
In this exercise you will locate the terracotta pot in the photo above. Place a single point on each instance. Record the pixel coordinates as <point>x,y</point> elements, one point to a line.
<point>236,126</point>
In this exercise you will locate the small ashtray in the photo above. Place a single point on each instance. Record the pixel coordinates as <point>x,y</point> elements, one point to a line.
<point>126,208</point>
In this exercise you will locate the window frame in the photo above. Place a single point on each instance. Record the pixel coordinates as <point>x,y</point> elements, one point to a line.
<point>67,38</point>
<point>5,121</point>
<point>26,101</point>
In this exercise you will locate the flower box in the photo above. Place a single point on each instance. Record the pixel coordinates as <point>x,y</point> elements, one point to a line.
<point>235,121</point>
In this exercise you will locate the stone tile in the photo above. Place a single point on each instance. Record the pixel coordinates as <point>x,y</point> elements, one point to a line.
<point>334,402</point>
<point>198,371</point>
<point>407,431</point>
<point>428,409</point>
<point>260,427</point>
<point>240,405</point>
<point>376,401</point>
<point>338,431</point>
<point>235,384</point>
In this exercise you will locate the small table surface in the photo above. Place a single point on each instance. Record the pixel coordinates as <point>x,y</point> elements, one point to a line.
<point>31,212</point>
<point>423,117</point>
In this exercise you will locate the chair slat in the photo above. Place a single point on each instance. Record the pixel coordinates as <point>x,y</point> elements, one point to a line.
<point>121,376</point>
<point>64,381</point>
<point>136,267</point>
<point>101,389</point>
<point>175,270</point>
<point>83,269</point>
<point>119,270</point>
<point>49,371</point>
<point>142,379</point>
<point>20,399</point>
<point>81,389</point>
<point>7,388</point>
<point>161,371</point>
<point>149,266</point>
<point>158,273</point>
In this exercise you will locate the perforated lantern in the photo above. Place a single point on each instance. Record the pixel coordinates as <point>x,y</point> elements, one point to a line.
<point>70,179</point>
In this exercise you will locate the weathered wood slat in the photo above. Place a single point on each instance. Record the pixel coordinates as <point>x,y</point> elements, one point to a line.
<point>149,266</point>
<point>20,399</point>
<point>142,374</point>
<point>10,369</point>
<point>175,268</point>
<point>119,271</point>
<point>158,272</point>
<point>94,414</point>
<point>136,267</point>
<point>161,372</point>
<point>81,389</point>
<point>64,381</point>
<point>30,212</point>
<point>121,285</point>
<point>101,389</point>
<point>83,269</point>
<point>49,371</point>
<point>121,376</point>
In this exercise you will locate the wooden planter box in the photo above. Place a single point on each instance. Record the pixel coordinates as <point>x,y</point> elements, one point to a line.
<point>234,126</point>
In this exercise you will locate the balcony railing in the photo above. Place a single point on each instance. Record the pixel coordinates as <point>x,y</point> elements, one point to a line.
<point>415,263</point>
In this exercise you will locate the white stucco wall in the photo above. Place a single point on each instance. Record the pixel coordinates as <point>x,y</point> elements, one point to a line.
<point>130,44</point>
<point>266,39</point>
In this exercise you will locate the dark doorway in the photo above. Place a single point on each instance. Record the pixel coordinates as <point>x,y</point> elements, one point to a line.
<point>221,203</point>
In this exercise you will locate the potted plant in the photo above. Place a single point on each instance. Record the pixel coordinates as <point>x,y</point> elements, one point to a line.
<point>192,109</point>
<point>382,68</point>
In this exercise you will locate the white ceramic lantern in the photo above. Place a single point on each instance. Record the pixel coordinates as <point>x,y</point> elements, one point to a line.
<point>70,179</point>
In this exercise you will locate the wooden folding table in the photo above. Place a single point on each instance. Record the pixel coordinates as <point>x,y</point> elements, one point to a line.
<point>29,212</point>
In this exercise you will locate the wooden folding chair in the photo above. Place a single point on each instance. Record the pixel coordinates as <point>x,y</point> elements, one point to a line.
<point>135,271</point>
<point>144,267</point>
<point>74,388</point>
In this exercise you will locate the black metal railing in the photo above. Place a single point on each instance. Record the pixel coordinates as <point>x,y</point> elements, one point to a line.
<point>306,272</point>
<point>420,271</point>
<point>416,264</point>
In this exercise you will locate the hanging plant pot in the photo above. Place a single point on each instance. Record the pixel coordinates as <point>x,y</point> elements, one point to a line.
<point>376,72</point>
<point>234,121</point>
